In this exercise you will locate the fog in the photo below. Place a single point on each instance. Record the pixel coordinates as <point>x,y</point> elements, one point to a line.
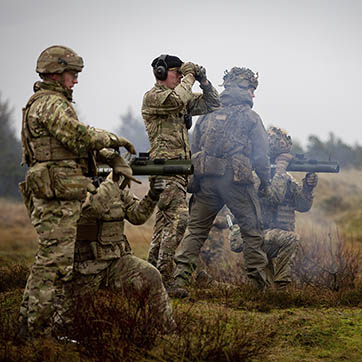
<point>308,55</point>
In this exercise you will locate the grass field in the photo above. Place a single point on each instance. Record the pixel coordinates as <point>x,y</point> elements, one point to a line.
<point>318,319</point>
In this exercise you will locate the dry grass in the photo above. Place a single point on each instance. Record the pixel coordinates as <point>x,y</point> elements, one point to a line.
<point>317,319</point>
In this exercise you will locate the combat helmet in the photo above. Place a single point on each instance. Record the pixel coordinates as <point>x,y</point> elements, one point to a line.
<point>241,77</point>
<point>58,59</point>
<point>279,141</point>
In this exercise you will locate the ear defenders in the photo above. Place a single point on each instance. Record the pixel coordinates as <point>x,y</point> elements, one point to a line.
<point>160,69</point>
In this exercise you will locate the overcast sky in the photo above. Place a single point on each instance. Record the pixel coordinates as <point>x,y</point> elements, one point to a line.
<point>308,54</point>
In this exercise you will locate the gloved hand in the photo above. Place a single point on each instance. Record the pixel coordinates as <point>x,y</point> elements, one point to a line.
<point>200,73</point>
<point>122,171</point>
<point>116,142</point>
<point>157,185</point>
<point>188,68</point>
<point>265,189</point>
<point>282,161</point>
<point>311,179</point>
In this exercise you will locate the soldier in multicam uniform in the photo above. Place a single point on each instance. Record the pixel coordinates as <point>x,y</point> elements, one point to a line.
<point>60,152</point>
<point>103,256</point>
<point>226,146</point>
<point>167,110</point>
<point>278,208</point>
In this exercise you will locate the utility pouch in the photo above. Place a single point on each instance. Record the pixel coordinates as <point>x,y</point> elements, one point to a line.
<point>243,171</point>
<point>206,165</point>
<point>69,183</point>
<point>26,194</point>
<point>39,182</point>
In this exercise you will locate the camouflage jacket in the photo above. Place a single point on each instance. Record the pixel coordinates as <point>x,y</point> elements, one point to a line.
<point>100,231</point>
<point>287,196</point>
<point>163,111</point>
<point>51,130</point>
<point>233,136</point>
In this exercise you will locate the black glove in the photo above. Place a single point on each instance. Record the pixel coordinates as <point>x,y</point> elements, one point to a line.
<point>157,185</point>
<point>200,74</point>
<point>188,121</point>
<point>311,180</point>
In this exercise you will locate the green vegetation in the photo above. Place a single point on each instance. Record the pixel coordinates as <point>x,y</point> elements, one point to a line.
<point>319,318</point>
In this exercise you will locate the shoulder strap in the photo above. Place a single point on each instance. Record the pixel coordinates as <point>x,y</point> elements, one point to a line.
<point>27,156</point>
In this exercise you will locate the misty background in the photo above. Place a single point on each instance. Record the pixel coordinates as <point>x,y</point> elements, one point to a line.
<point>308,55</point>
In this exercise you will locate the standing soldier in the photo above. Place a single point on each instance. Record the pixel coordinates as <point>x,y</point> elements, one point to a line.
<point>59,151</point>
<point>226,146</point>
<point>286,196</point>
<point>167,111</point>
<point>278,208</point>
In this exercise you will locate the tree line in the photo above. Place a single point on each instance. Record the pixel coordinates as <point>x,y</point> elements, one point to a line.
<point>132,127</point>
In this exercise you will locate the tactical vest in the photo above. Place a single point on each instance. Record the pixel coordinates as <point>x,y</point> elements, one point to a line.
<point>224,142</point>
<point>43,148</point>
<point>281,216</point>
<point>101,240</point>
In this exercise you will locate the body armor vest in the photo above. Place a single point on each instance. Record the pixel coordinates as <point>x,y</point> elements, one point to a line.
<point>43,148</point>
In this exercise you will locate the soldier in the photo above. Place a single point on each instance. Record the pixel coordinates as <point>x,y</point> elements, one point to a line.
<point>287,195</point>
<point>278,208</point>
<point>167,111</point>
<point>103,256</point>
<point>59,151</point>
<point>226,146</point>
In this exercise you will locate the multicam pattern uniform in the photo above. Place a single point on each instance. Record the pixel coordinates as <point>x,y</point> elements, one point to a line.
<point>281,242</point>
<point>163,111</point>
<point>226,146</point>
<point>212,250</point>
<point>55,147</point>
<point>103,257</point>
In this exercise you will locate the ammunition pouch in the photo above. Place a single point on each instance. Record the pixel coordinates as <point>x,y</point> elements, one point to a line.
<point>38,181</point>
<point>206,165</point>
<point>68,182</point>
<point>242,168</point>
<point>102,241</point>
<point>26,194</point>
<point>63,182</point>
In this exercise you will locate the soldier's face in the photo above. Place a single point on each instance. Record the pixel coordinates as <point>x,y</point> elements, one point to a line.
<point>173,78</point>
<point>70,79</point>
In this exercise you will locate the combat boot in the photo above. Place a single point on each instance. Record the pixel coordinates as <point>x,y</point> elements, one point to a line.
<point>175,288</point>
<point>176,292</point>
<point>204,279</point>
<point>22,335</point>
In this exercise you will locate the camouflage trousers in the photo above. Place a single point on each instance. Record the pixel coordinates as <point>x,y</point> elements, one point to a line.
<point>42,306</point>
<point>212,250</point>
<point>131,275</point>
<point>281,247</point>
<point>170,226</point>
<point>242,200</point>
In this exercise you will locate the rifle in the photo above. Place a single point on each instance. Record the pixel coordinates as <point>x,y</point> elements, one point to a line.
<point>301,164</point>
<point>143,165</point>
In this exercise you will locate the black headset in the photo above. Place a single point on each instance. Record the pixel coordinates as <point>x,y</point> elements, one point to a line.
<point>160,69</point>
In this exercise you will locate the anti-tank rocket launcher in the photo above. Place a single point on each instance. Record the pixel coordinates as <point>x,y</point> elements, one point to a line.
<point>302,164</point>
<point>143,165</point>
